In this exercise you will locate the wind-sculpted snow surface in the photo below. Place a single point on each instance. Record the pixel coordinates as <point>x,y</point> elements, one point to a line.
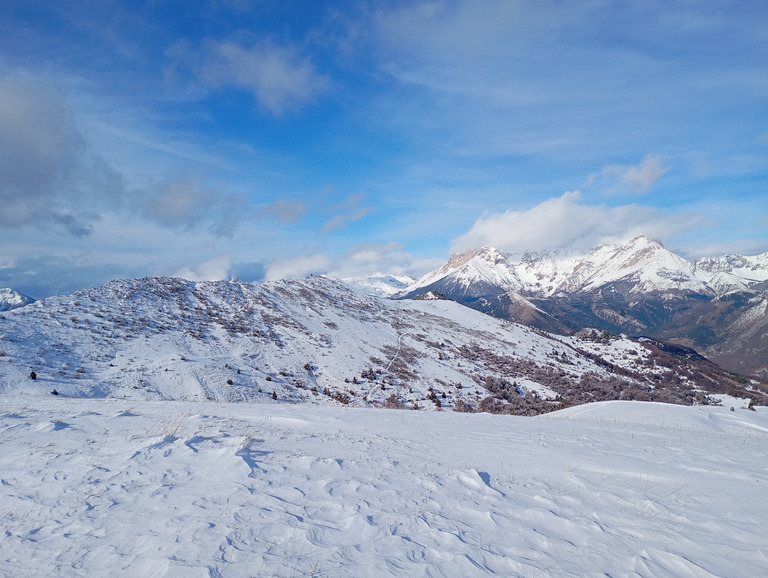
<point>117,488</point>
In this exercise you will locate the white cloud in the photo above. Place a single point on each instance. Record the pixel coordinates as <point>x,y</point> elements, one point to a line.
<point>284,211</point>
<point>359,262</point>
<point>297,267</point>
<point>630,178</point>
<point>279,77</point>
<point>350,211</point>
<point>371,259</point>
<point>566,222</point>
<point>216,269</point>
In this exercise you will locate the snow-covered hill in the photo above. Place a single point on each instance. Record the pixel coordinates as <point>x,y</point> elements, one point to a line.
<point>317,340</point>
<point>138,488</point>
<point>10,299</point>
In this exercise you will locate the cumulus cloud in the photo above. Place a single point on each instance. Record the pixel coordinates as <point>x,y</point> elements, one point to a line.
<point>297,267</point>
<point>630,178</point>
<point>279,77</point>
<point>216,269</point>
<point>349,211</point>
<point>567,222</point>
<point>284,211</point>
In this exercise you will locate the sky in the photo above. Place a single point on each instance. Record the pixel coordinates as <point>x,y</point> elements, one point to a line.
<point>256,139</point>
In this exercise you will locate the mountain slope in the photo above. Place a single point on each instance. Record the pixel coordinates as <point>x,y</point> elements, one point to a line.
<point>316,340</point>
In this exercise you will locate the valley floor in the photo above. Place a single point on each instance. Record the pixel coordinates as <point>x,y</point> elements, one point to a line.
<point>109,487</point>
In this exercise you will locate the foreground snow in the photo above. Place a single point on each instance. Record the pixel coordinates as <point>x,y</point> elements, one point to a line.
<point>110,487</point>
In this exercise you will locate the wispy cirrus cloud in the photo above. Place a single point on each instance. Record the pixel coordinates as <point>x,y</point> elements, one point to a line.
<point>637,178</point>
<point>280,78</point>
<point>285,211</point>
<point>348,211</point>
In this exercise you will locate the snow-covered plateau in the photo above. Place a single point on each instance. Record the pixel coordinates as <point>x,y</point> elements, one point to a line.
<point>115,487</point>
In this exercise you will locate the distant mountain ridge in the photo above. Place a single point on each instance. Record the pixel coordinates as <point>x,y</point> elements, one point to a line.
<point>10,299</point>
<point>715,304</point>
<point>644,263</point>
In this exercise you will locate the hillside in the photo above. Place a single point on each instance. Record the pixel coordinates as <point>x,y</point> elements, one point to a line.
<point>317,340</point>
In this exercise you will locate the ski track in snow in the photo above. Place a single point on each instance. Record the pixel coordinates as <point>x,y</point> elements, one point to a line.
<point>109,487</point>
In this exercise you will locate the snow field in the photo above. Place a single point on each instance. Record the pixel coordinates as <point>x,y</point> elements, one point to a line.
<point>110,487</point>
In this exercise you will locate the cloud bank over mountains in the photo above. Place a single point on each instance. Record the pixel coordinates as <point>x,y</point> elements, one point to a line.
<point>566,221</point>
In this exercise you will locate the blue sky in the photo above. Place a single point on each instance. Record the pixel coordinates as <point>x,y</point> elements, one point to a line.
<point>262,139</point>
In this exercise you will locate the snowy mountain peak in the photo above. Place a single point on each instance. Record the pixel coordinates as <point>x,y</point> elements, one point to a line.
<point>639,250</point>
<point>733,272</point>
<point>641,262</point>
<point>489,255</point>
<point>483,267</point>
<point>10,299</point>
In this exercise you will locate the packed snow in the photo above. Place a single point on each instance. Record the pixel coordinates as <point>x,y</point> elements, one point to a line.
<point>97,487</point>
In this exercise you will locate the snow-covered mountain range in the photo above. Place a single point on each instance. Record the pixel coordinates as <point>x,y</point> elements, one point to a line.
<point>10,299</point>
<point>318,340</point>
<point>642,265</point>
<point>640,288</point>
